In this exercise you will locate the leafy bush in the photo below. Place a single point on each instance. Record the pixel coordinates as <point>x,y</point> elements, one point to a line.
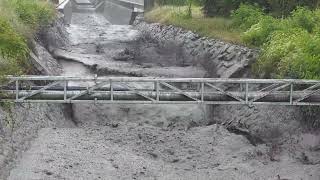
<point>259,33</point>
<point>303,18</point>
<point>278,8</point>
<point>292,53</point>
<point>282,8</point>
<point>246,16</point>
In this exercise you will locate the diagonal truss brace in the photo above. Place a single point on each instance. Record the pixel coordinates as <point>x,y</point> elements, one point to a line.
<point>89,90</point>
<point>309,94</point>
<point>39,91</point>
<point>269,92</point>
<point>225,92</point>
<point>269,87</point>
<point>180,91</point>
<point>137,92</point>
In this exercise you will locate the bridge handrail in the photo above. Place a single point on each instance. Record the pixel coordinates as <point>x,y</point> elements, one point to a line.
<point>62,4</point>
<point>131,2</point>
<point>151,79</point>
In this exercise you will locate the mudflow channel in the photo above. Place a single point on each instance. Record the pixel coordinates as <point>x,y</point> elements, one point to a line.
<point>141,141</point>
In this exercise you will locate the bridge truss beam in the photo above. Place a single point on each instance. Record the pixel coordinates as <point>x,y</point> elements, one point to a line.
<point>126,90</point>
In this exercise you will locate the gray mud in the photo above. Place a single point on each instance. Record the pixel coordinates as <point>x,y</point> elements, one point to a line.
<point>145,141</point>
<point>118,50</point>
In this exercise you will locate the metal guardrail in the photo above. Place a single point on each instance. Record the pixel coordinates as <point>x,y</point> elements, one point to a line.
<point>132,90</point>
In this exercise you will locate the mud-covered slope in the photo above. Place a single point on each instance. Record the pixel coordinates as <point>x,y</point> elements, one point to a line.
<point>20,123</point>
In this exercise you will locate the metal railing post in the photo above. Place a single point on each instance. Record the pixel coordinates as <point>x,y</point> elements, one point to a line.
<point>291,94</point>
<point>202,92</point>
<point>17,90</point>
<point>111,90</point>
<point>157,91</point>
<point>247,91</point>
<point>65,90</point>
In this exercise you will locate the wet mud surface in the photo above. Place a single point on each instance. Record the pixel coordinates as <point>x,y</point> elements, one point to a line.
<point>133,151</point>
<point>120,50</point>
<point>144,141</point>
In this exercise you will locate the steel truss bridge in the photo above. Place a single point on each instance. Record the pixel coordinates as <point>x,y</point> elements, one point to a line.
<point>144,90</point>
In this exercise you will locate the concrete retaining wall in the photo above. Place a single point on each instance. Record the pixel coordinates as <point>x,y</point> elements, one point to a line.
<point>117,14</point>
<point>66,9</point>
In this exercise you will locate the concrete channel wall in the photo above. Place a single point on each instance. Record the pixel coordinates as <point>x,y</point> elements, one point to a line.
<point>122,12</point>
<point>65,7</point>
<point>119,12</point>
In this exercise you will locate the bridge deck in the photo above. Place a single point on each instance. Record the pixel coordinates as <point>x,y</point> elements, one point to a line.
<point>124,90</point>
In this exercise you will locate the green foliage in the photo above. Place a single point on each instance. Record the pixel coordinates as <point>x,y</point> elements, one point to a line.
<point>225,7</point>
<point>259,33</point>
<point>290,46</point>
<point>292,53</point>
<point>214,27</point>
<point>278,8</point>
<point>19,21</point>
<point>303,18</point>
<point>13,49</point>
<point>287,31</point>
<point>171,2</point>
<point>33,13</point>
<point>12,44</point>
<point>246,16</point>
<point>282,8</point>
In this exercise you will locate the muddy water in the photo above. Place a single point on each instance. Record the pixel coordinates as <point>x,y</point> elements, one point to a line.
<point>71,68</point>
<point>93,44</point>
<point>142,141</point>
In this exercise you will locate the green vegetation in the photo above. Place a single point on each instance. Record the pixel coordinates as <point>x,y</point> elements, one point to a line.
<point>277,8</point>
<point>19,22</point>
<point>290,46</point>
<point>215,27</point>
<point>286,31</point>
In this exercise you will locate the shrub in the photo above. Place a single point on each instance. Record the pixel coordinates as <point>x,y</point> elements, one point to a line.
<point>292,53</point>
<point>303,18</point>
<point>246,16</point>
<point>283,8</point>
<point>259,33</point>
<point>279,8</point>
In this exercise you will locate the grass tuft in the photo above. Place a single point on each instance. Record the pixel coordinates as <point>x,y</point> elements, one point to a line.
<point>19,22</point>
